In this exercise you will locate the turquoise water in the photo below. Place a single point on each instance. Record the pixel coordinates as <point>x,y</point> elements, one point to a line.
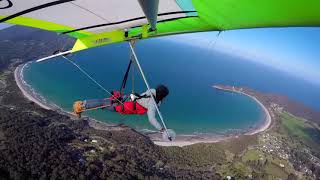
<point>193,106</point>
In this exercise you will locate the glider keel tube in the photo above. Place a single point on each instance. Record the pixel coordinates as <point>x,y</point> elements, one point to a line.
<point>55,55</point>
<point>150,9</point>
<point>131,43</point>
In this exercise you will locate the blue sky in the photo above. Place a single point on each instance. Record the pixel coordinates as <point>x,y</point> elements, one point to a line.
<point>293,50</point>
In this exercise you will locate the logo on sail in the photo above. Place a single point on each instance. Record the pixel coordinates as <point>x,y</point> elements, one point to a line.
<point>101,40</point>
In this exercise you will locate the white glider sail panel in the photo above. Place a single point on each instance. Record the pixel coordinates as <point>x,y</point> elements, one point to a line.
<point>75,14</point>
<point>100,22</point>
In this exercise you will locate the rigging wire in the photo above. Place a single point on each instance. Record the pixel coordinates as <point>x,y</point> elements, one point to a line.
<point>104,89</point>
<point>99,85</point>
<point>132,76</point>
<point>214,41</point>
<point>85,73</point>
<point>92,79</point>
<point>131,43</point>
<point>122,116</point>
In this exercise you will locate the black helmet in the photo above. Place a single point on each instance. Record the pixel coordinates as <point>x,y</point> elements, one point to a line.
<point>161,92</point>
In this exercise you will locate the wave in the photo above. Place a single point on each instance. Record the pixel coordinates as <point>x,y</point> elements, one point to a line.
<point>33,92</point>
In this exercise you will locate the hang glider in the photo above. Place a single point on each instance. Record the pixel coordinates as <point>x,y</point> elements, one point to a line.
<point>99,22</point>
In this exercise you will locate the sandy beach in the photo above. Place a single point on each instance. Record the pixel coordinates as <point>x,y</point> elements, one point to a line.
<point>34,97</point>
<point>26,91</point>
<point>267,120</point>
<point>181,140</point>
<point>189,140</point>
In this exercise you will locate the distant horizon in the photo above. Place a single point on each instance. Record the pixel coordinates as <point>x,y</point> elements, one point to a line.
<point>251,60</point>
<point>280,48</point>
<point>292,50</point>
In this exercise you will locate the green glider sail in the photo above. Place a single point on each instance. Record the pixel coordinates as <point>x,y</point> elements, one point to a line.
<point>100,22</point>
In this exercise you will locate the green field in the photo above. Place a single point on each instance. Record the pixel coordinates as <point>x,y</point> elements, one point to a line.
<point>251,155</point>
<point>274,171</point>
<point>300,130</point>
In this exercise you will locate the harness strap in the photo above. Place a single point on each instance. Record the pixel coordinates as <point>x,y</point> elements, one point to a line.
<point>122,107</point>
<point>140,97</point>
<point>134,105</point>
<point>135,101</point>
<point>124,81</point>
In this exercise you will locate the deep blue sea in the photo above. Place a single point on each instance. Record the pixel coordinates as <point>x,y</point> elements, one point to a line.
<point>193,106</point>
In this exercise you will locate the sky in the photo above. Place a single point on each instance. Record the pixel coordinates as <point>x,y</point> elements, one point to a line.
<point>292,50</point>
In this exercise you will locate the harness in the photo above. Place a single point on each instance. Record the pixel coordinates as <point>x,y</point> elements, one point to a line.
<point>128,106</point>
<point>136,107</point>
<point>132,106</point>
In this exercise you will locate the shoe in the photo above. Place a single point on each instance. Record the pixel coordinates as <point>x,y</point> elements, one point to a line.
<point>78,108</point>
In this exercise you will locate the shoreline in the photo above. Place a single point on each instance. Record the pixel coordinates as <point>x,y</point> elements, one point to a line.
<point>34,97</point>
<point>267,119</point>
<point>181,140</point>
<point>18,77</point>
<point>261,127</point>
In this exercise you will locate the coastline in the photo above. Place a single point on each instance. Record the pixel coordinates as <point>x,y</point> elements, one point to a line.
<point>181,140</point>
<point>18,76</point>
<point>267,120</point>
<point>34,97</point>
<point>189,140</point>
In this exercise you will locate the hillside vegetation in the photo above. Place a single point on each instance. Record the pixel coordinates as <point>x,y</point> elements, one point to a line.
<point>43,144</point>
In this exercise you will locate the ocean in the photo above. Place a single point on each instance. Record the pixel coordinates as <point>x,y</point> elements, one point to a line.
<point>193,106</point>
